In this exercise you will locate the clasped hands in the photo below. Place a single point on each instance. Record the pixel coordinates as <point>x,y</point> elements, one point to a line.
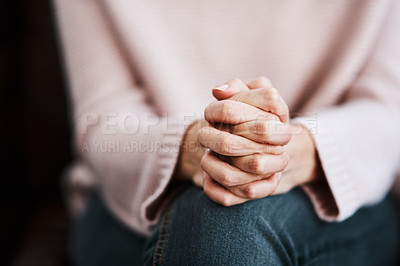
<point>252,151</point>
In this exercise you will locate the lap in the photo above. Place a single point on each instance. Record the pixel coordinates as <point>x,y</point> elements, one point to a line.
<point>279,230</point>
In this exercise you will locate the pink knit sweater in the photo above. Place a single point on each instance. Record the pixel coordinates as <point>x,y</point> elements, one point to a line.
<point>141,71</point>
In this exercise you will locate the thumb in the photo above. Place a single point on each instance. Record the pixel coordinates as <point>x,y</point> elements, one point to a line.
<point>229,89</point>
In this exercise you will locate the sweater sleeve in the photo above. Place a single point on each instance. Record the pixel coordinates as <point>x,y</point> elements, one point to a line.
<point>132,150</point>
<point>358,142</point>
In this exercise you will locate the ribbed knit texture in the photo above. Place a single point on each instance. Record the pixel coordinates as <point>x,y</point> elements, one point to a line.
<point>151,65</point>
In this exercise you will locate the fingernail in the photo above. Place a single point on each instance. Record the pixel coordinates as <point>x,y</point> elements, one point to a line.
<point>221,88</point>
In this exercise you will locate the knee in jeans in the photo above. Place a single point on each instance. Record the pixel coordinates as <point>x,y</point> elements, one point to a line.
<point>236,234</point>
<point>199,209</point>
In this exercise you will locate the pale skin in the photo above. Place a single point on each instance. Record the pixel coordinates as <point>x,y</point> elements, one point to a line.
<point>247,148</point>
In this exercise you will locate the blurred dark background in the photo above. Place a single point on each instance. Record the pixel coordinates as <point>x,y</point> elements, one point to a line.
<point>35,136</point>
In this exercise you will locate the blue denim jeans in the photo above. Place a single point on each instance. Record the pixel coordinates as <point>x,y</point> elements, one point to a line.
<point>277,230</point>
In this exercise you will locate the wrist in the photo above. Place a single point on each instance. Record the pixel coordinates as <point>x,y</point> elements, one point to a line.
<point>304,165</point>
<point>191,153</point>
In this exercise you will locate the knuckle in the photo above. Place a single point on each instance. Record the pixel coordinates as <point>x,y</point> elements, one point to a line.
<point>261,127</point>
<point>286,107</point>
<point>284,161</point>
<point>275,149</point>
<point>203,162</point>
<point>275,181</point>
<point>255,165</point>
<point>227,109</point>
<point>206,188</point>
<point>226,144</point>
<point>278,131</point>
<point>266,92</point>
<point>288,136</point>
<point>201,135</point>
<point>284,129</point>
<point>263,81</point>
<point>250,191</point>
<point>235,81</point>
<point>225,179</point>
<point>273,97</point>
<point>226,201</point>
<point>208,114</point>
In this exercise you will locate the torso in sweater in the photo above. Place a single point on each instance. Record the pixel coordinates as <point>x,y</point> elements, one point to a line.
<point>164,57</point>
<point>181,49</point>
